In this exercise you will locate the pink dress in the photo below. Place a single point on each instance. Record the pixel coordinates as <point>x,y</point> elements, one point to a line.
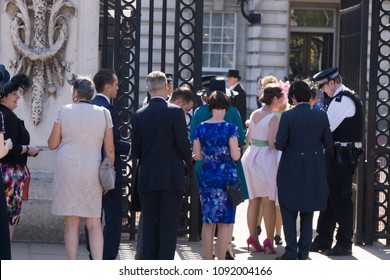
<point>260,162</point>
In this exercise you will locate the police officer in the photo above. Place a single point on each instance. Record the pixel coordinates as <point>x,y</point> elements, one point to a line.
<point>345,113</point>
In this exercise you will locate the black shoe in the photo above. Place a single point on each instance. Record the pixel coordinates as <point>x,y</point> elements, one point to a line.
<point>305,257</point>
<point>228,256</point>
<point>317,247</point>
<point>284,257</point>
<point>278,240</point>
<point>258,229</point>
<point>338,251</point>
<point>229,252</point>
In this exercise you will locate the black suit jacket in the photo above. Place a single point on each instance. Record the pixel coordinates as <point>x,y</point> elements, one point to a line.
<point>17,132</point>
<point>302,135</point>
<point>160,142</point>
<point>121,147</point>
<point>239,101</point>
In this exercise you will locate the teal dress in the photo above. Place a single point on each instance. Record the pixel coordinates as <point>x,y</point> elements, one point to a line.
<point>202,114</point>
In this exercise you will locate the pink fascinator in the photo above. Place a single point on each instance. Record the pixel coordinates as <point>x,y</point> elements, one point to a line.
<point>285,86</point>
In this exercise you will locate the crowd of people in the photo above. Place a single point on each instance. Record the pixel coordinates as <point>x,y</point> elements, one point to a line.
<point>294,155</point>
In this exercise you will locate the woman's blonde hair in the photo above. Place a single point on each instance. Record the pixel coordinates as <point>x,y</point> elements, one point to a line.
<point>268,80</point>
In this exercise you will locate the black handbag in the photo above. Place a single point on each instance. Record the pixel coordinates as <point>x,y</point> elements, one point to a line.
<point>235,195</point>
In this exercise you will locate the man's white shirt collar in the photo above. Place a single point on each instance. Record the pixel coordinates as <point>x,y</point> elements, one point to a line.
<point>340,89</point>
<point>101,94</point>
<point>233,86</point>
<point>158,97</point>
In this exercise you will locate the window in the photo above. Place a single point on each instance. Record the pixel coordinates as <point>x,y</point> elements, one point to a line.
<point>312,18</point>
<point>219,41</point>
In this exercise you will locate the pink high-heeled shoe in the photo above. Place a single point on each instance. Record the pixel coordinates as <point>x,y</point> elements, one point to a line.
<point>255,244</point>
<point>268,244</point>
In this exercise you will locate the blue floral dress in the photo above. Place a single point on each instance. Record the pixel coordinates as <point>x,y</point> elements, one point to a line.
<point>217,170</point>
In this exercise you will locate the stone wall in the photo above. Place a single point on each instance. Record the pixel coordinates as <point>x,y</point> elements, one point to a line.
<point>37,224</point>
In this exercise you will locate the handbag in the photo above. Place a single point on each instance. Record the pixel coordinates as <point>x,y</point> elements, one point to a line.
<point>26,185</point>
<point>107,175</point>
<point>107,169</point>
<point>235,195</point>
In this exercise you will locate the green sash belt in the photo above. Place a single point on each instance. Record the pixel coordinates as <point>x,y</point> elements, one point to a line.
<point>259,143</point>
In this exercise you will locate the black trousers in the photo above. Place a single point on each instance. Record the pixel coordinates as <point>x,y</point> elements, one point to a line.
<point>5,243</point>
<point>112,211</point>
<point>160,214</point>
<point>297,249</point>
<point>339,206</point>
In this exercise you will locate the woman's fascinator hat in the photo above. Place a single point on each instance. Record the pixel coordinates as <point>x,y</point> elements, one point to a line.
<point>19,81</point>
<point>73,80</point>
<point>285,86</point>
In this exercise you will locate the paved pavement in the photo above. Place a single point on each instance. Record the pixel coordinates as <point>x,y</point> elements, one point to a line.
<point>193,250</point>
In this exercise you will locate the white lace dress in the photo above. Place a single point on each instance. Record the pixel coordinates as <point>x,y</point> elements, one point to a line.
<point>76,187</point>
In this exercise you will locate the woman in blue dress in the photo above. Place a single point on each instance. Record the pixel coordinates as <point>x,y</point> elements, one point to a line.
<point>216,142</point>
<point>232,115</point>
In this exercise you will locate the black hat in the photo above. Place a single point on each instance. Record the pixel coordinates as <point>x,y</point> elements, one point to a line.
<point>321,78</point>
<point>217,83</point>
<point>4,75</point>
<point>204,83</point>
<point>169,77</point>
<point>206,80</point>
<point>234,73</point>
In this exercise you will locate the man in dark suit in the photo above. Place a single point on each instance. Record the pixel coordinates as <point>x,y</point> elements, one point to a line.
<point>238,101</point>
<point>160,143</point>
<point>106,83</point>
<point>302,185</point>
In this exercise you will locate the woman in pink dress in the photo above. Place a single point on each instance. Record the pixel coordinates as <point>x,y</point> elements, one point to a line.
<point>260,163</point>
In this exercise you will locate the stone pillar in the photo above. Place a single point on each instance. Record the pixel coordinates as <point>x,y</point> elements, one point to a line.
<point>267,45</point>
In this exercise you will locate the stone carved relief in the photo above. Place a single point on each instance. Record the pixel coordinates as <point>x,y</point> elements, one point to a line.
<point>39,32</point>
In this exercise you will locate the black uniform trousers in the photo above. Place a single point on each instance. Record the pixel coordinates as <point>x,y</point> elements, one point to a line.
<point>339,206</point>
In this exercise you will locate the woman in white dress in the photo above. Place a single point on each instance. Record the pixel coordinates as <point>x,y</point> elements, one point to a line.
<point>79,133</point>
<point>260,163</point>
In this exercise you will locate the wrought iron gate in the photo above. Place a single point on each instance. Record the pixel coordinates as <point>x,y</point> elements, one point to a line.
<point>372,198</point>
<point>124,25</point>
<point>378,133</point>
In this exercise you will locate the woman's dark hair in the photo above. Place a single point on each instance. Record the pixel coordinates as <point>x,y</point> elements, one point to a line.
<point>218,100</point>
<point>271,91</point>
<point>17,81</point>
<point>301,91</point>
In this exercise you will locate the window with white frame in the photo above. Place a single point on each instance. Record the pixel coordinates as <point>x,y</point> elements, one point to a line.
<point>219,41</point>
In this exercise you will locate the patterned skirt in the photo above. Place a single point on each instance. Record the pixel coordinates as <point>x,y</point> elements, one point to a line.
<point>14,176</point>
